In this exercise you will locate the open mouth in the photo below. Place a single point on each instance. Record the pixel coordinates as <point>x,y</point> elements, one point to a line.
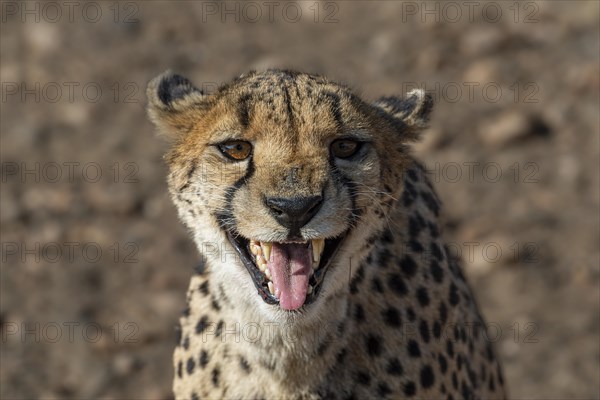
<point>287,273</point>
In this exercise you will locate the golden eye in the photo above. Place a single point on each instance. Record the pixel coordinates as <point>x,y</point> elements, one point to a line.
<point>237,150</point>
<point>344,148</point>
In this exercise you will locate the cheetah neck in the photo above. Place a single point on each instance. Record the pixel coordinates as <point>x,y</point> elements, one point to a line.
<point>291,352</point>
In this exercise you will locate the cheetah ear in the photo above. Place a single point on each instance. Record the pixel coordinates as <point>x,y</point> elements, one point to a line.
<point>174,103</point>
<point>412,111</point>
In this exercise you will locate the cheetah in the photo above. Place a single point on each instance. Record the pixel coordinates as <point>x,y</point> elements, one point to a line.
<point>324,273</point>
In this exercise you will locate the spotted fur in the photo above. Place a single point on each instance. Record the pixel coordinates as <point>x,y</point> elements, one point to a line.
<point>395,317</point>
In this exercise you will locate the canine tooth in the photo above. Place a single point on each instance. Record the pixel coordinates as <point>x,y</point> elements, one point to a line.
<point>268,273</point>
<point>254,250</point>
<point>266,248</point>
<point>317,246</point>
<point>271,287</point>
<point>310,289</point>
<point>315,250</point>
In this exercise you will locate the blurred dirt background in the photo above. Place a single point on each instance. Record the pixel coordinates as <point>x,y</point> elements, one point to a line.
<point>95,268</point>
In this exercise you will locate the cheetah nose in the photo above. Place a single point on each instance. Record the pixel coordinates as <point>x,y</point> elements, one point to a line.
<point>294,212</point>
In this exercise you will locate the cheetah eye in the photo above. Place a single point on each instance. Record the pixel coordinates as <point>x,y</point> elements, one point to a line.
<point>344,148</point>
<point>236,150</point>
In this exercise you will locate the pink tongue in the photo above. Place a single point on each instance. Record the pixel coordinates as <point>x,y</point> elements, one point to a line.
<point>290,266</point>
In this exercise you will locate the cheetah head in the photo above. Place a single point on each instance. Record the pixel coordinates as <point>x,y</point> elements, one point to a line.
<point>282,177</point>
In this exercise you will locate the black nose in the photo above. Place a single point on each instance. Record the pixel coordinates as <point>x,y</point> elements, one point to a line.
<point>294,212</point>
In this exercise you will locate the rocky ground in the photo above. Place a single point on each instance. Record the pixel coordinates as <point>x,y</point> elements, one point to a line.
<point>95,264</point>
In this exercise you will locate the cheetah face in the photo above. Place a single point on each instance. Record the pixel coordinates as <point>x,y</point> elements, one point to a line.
<point>292,170</point>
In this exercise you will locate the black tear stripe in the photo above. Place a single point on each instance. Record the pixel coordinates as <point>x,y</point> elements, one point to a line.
<point>227,214</point>
<point>352,189</point>
<point>351,186</point>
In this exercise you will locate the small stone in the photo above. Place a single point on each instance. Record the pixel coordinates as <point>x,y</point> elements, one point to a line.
<point>509,127</point>
<point>481,73</point>
<point>10,208</point>
<point>47,198</point>
<point>110,198</point>
<point>481,40</point>
<point>123,364</point>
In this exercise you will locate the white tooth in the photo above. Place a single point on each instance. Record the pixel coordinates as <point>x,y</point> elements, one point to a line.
<point>317,246</point>
<point>266,248</point>
<point>262,265</point>
<point>310,289</point>
<point>254,250</point>
<point>271,287</point>
<point>268,273</point>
